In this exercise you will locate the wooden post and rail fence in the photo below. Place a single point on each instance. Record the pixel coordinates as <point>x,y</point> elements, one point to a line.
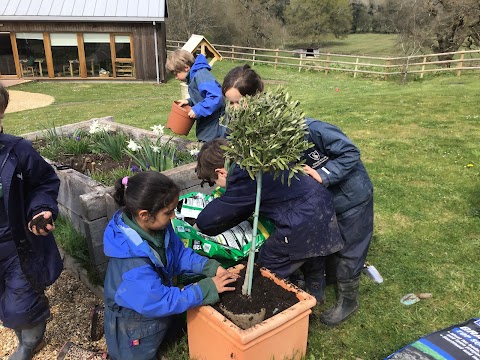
<point>458,61</point>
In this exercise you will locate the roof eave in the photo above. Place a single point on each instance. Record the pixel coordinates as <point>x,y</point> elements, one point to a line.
<point>83,18</point>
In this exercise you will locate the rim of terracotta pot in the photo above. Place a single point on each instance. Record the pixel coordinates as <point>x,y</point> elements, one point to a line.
<point>305,303</point>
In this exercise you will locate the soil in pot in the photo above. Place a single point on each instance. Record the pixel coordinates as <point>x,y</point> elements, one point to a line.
<point>265,294</point>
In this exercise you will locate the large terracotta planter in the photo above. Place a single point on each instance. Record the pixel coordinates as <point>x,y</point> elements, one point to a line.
<point>178,120</point>
<point>211,336</point>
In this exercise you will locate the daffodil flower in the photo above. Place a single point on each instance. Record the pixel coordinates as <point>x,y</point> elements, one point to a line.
<point>132,145</point>
<point>158,130</point>
<point>194,152</point>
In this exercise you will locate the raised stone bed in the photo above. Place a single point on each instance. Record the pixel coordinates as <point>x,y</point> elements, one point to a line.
<point>89,205</point>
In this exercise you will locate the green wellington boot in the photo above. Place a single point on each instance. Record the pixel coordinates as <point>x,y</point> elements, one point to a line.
<point>30,341</point>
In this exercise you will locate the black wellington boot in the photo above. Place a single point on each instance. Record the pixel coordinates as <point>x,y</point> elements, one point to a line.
<point>31,342</point>
<point>347,302</point>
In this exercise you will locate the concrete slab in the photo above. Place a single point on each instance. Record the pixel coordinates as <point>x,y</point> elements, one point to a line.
<point>12,82</point>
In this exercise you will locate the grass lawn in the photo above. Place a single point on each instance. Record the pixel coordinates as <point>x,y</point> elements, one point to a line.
<point>420,144</point>
<point>382,45</point>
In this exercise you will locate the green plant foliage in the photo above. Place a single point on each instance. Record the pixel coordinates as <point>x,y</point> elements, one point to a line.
<point>76,143</point>
<point>111,143</point>
<point>75,244</point>
<point>152,155</point>
<point>267,134</point>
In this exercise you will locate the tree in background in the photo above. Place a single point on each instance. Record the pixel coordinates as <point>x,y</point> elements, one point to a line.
<point>311,21</point>
<point>239,22</point>
<point>187,17</point>
<point>439,25</point>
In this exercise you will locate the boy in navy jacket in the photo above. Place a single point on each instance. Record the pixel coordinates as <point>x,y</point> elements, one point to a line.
<point>303,214</point>
<point>29,257</point>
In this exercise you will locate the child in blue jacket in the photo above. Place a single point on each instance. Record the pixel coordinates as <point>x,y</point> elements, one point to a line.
<point>206,98</point>
<point>333,161</point>
<point>305,224</point>
<point>141,302</point>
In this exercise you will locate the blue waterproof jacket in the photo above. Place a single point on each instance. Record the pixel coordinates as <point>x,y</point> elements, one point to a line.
<point>206,99</point>
<point>303,213</point>
<point>337,160</point>
<point>136,278</point>
<point>30,186</point>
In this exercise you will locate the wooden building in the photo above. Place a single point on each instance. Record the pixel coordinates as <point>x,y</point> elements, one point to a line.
<point>83,39</point>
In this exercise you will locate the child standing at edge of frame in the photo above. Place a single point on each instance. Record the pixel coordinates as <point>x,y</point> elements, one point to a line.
<point>334,161</point>
<point>141,303</point>
<point>29,257</point>
<point>206,98</point>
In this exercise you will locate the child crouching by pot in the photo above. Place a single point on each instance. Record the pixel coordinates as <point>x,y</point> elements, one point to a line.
<point>303,213</point>
<point>141,303</point>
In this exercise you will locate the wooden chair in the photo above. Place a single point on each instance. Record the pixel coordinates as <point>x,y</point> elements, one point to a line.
<point>27,69</point>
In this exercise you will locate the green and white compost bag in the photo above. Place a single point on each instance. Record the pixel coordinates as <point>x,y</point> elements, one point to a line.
<point>233,244</point>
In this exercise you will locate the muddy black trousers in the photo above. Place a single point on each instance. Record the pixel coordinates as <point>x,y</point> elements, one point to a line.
<point>356,228</point>
<point>21,306</point>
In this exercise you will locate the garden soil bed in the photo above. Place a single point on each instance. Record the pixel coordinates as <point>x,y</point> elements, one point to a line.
<point>83,162</point>
<point>265,294</point>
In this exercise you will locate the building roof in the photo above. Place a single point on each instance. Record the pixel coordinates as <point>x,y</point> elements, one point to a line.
<point>84,10</point>
<point>199,42</point>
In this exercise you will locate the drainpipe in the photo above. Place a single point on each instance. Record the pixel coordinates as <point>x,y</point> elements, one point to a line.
<point>156,53</point>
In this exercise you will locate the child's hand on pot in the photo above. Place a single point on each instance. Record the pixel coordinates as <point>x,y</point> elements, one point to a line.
<point>191,114</point>
<point>182,102</point>
<point>221,281</point>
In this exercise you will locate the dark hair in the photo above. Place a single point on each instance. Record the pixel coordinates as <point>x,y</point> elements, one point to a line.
<point>147,190</point>
<point>244,79</point>
<point>210,157</point>
<point>3,99</point>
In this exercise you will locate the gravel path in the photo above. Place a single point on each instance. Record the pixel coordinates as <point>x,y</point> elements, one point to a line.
<point>23,100</point>
<point>70,302</point>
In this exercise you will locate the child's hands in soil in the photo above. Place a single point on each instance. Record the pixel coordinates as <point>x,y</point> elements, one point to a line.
<point>223,279</point>
<point>42,223</point>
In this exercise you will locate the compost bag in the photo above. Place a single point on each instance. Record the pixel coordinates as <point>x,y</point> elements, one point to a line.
<point>232,245</point>
<point>456,342</point>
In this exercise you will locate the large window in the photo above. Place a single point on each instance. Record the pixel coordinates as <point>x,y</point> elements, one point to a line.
<point>65,54</point>
<point>7,62</point>
<point>31,53</point>
<point>124,63</point>
<point>98,55</point>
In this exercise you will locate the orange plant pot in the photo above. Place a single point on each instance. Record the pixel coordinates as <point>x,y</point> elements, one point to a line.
<point>211,336</point>
<point>178,120</point>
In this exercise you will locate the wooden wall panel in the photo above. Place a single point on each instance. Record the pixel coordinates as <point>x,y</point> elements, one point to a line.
<point>142,33</point>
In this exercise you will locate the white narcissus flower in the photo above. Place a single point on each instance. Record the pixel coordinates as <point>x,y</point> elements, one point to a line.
<point>194,152</point>
<point>94,127</point>
<point>132,145</point>
<point>106,128</point>
<point>158,129</point>
<point>155,148</point>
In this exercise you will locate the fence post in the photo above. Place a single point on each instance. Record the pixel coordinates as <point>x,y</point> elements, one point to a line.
<point>276,58</point>
<point>233,53</point>
<point>253,57</point>
<point>327,63</point>
<point>423,67</point>
<point>387,68</point>
<point>356,68</point>
<point>300,63</point>
<point>460,64</point>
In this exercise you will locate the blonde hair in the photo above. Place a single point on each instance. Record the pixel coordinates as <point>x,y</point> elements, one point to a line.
<point>178,59</point>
